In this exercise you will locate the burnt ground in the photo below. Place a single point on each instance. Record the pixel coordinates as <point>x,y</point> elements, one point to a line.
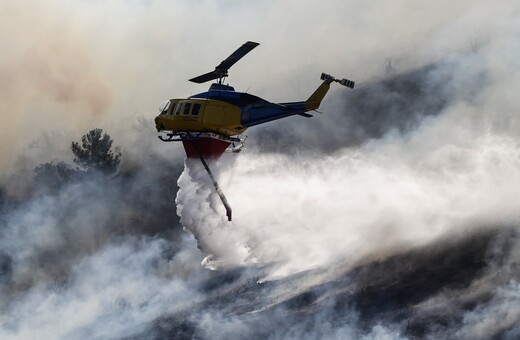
<point>412,289</point>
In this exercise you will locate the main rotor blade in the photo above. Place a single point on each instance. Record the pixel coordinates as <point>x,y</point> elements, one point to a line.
<point>221,70</point>
<point>205,77</point>
<point>237,55</point>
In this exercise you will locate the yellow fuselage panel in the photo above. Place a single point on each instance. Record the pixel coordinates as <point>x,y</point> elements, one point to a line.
<point>201,115</point>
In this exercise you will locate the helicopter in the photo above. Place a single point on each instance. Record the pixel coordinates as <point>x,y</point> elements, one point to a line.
<point>212,122</point>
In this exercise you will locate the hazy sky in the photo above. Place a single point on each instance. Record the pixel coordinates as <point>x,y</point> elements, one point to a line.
<point>68,66</point>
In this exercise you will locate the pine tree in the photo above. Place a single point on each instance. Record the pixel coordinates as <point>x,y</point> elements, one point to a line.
<point>94,152</point>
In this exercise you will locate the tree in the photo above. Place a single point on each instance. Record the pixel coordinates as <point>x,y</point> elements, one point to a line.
<point>53,175</point>
<point>95,152</point>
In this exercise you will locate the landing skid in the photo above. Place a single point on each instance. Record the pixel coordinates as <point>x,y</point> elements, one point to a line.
<point>183,135</point>
<point>236,147</point>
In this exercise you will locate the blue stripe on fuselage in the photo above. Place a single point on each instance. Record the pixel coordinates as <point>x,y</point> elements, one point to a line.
<point>255,110</point>
<point>265,113</point>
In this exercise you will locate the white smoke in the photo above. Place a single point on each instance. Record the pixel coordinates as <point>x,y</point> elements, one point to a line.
<point>75,65</point>
<point>306,212</point>
<point>499,315</point>
<point>114,293</point>
<point>455,170</point>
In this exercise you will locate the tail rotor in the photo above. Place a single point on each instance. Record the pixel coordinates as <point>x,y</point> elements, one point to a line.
<point>344,81</point>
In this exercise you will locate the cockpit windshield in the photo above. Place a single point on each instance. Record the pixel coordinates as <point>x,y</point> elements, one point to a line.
<point>163,108</point>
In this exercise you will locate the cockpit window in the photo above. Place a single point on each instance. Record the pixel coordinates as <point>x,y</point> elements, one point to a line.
<point>163,108</point>
<point>187,107</point>
<point>195,110</point>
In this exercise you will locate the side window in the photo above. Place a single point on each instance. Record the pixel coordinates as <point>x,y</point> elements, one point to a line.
<point>187,107</point>
<point>195,110</point>
<point>179,108</point>
<point>173,108</point>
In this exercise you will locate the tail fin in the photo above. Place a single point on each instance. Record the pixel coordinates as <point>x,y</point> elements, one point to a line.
<point>315,99</point>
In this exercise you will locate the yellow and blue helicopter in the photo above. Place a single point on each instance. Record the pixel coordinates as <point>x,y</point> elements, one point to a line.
<point>209,123</point>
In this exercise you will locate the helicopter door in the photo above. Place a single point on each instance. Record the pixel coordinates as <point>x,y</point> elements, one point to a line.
<point>213,116</point>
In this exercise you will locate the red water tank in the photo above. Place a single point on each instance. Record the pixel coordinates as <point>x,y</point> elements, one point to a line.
<point>209,148</point>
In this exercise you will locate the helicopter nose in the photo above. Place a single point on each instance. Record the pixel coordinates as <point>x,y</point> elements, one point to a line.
<point>156,120</point>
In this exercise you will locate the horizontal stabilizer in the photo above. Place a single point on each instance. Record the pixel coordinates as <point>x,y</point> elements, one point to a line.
<point>306,115</point>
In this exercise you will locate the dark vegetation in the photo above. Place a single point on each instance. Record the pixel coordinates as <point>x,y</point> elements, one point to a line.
<point>91,204</point>
<point>395,290</point>
<point>94,156</point>
<point>95,152</point>
<point>396,104</point>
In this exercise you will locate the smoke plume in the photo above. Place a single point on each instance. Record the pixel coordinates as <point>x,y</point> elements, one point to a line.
<point>391,215</point>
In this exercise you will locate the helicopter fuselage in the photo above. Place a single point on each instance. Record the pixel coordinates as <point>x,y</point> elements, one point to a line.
<point>201,115</point>
<point>223,111</point>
